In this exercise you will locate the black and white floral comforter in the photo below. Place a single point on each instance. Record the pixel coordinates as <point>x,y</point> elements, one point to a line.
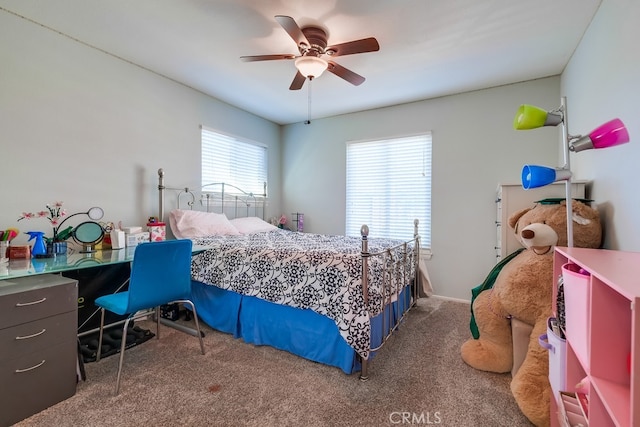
<point>309,271</point>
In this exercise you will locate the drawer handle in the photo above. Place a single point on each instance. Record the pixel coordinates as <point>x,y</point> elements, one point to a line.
<point>26,337</point>
<point>19,371</point>
<point>23,304</point>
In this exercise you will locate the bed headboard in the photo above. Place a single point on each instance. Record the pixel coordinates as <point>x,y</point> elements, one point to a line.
<point>214,197</point>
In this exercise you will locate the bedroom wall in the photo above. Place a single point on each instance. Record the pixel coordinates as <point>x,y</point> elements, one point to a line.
<point>83,127</point>
<point>474,149</point>
<point>80,126</point>
<point>602,82</point>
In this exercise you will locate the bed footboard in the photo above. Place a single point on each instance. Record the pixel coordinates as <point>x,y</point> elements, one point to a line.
<point>400,277</point>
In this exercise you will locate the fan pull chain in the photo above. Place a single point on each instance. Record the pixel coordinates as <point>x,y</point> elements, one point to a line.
<point>309,102</point>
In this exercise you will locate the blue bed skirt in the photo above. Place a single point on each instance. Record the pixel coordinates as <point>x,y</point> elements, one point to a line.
<point>299,331</point>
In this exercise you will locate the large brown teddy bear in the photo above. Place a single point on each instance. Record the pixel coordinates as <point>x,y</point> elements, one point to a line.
<point>523,289</point>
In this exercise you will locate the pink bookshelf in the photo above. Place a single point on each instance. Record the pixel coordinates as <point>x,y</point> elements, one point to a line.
<point>612,334</point>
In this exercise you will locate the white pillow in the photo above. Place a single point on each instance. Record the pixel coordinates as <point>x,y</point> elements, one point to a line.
<point>251,224</point>
<point>186,224</point>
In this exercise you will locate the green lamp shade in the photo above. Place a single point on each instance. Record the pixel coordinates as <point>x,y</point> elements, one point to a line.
<point>531,117</point>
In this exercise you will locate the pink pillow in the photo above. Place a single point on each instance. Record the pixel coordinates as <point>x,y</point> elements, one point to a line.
<point>252,224</point>
<point>186,224</point>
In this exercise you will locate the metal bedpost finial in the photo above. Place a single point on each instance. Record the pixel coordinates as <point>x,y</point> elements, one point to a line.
<point>160,193</point>
<point>364,231</point>
<point>160,178</point>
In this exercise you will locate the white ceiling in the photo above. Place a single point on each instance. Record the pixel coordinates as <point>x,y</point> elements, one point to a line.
<point>428,48</point>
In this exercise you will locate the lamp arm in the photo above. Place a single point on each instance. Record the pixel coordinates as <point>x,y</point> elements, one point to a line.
<point>566,140</point>
<point>560,111</point>
<point>568,197</point>
<point>65,220</point>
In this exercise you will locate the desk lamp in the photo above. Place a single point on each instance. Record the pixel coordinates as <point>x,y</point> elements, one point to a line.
<point>609,134</point>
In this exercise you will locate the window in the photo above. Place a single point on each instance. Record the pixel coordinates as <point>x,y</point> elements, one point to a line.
<point>388,186</point>
<point>233,161</point>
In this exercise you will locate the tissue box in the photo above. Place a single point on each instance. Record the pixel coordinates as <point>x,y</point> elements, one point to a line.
<point>137,238</point>
<point>157,231</point>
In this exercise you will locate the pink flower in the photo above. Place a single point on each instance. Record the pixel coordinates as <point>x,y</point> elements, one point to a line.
<point>54,214</point>
<point>283,220</point>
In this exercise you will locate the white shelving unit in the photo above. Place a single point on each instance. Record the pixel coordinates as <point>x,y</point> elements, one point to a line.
<point>512,197</point>
<point>613,336</point>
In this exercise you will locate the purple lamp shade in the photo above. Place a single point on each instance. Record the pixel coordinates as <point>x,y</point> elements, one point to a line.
<point>607,135</point>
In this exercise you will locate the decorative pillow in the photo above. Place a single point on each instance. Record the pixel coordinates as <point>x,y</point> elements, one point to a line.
<point>252,224</point>
<point>186,224</point>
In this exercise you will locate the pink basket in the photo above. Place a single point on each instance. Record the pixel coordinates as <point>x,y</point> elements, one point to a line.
<point>577,287</point>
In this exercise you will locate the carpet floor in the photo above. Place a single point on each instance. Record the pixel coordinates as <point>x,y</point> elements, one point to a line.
<point>417,378</point>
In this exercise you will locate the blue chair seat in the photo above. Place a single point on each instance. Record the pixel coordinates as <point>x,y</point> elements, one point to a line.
<point>116,303</point>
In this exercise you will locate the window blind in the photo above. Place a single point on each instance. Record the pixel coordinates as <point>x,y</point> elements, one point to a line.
<point>233,161</point>
<point>388,186</point>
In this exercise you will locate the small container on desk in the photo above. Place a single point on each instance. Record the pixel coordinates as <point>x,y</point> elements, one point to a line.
<point>4,249</point>
<point>4,257</point>
<point>136,239</point>
<point>118,239</point>
<point>157,231</point>
<point>19,252</point>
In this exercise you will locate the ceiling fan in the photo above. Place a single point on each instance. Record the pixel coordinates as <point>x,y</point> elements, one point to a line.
<point>312,44</point>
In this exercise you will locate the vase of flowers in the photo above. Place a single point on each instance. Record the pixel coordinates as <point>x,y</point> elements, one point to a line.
<point>55,214</point>
<point>282,221</point>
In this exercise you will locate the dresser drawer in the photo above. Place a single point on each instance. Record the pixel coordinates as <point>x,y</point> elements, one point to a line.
<point>36,336</point>
<point>31,304</point>
<point>43,379</point>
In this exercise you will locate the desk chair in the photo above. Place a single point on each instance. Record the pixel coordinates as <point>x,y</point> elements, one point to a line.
<point>160,274</point>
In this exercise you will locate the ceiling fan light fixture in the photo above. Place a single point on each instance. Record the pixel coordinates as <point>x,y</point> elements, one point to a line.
<point>311,66</point>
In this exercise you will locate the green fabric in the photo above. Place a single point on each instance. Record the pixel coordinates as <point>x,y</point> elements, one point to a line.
<point>488,284</point>
<point>558,200</point>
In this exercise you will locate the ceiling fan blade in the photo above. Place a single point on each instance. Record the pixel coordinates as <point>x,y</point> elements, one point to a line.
<point>266,57</point>
<point>357,46</point>
<point>293,30</point>
<point>348,75</point>
<point>297,82</point>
